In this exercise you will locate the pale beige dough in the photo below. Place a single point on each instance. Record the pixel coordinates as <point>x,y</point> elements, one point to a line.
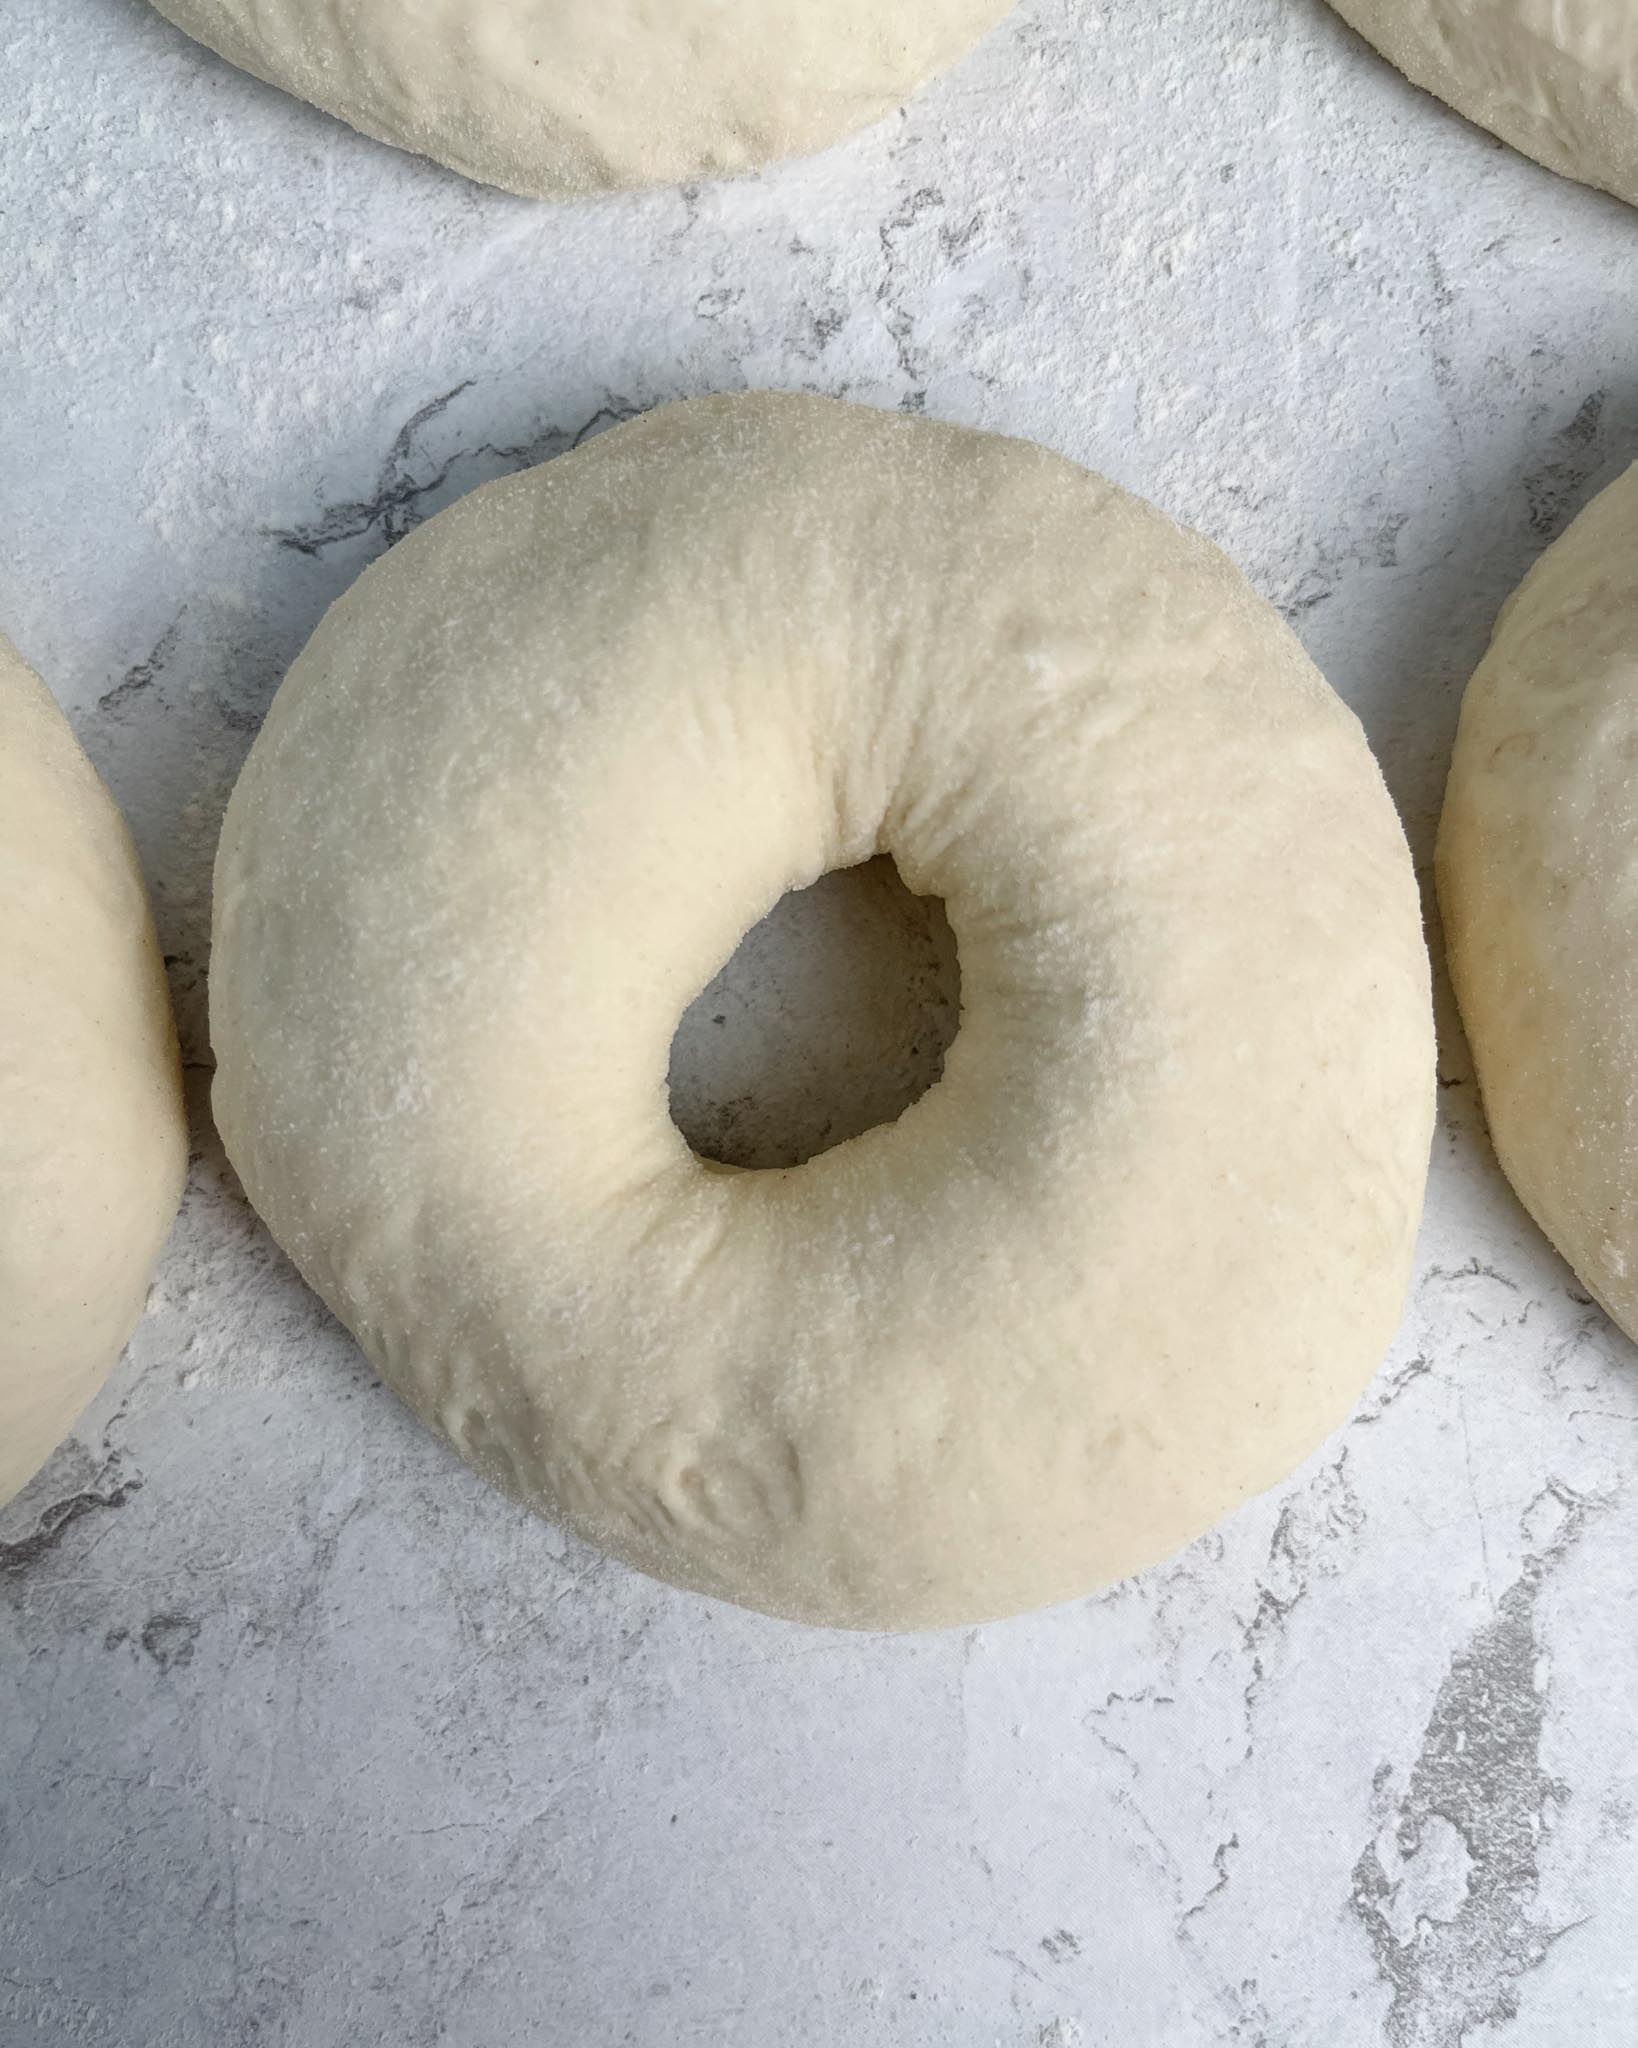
<point>533,778</point>
<point>1556,78</point>
<point>554,97</point>
<point>93,1141</point>
<point>1538,884</point>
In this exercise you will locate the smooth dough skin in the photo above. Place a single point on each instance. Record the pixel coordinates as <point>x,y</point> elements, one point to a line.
<point>1556,78</point>
<point>1538,885</point>
<point>93,1140</point>
<point>555,97</point>
<point>529,784</point>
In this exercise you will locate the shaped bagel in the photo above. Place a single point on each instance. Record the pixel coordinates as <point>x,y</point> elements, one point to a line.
<point>93,1140</point>
<point>532,780</point>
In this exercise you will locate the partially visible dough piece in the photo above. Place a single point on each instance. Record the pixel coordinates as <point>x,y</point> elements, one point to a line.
<point>554,97</point>
<point>1556,78</point>
<point>1538,881</point>
<point>93,1140</point>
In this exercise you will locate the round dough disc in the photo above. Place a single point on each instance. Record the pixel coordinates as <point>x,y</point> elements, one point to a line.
<point>1538,885</point>
<point>1556,78</point>
<point>93,1140</point>
<point>536,774</point>
<point>555,97</point>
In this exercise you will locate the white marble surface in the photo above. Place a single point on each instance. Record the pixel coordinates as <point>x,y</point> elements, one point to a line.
<point>307,1739</point>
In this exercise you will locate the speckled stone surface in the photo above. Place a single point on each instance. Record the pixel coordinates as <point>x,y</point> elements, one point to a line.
<point>307,1739</point>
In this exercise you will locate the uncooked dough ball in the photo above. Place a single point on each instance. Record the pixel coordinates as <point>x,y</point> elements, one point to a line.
<point>532,780</point>
<point>554,97</point>
<point>1556,78</point>
<point>1538,883</point>
<point>93,1141</point>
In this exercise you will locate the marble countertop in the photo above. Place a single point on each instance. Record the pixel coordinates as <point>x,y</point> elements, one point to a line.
<point>305,1737</point>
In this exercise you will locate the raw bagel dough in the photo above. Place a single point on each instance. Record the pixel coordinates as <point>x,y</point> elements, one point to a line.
<point>1556,78</point>
<point>526,788</point>
<point>1538,884</point>
<point>553,97</point>
<point>93,1141</point>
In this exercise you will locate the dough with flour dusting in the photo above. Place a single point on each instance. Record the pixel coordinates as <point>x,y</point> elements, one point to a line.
<point>1556,78</point>
<point>1538,883</point>
<point>93,1141</point>
<point>529,784</point>
<point>553,97</point>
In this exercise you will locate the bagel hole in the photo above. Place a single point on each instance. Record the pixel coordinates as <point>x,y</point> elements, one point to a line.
<point>833,1016</point>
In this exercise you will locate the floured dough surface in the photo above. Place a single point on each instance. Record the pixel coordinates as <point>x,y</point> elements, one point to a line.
<point>1556,78</point>
<point>553,97</point>
<point>1538,884</point>
<point>532,780</point>
<point>93,1141</point>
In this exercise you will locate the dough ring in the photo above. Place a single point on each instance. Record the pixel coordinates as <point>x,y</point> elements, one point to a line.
<point>1556,78</point>
<point>554,97</point>
<point>532,780</point>
<point>93,1140</point>
<point>1538,859</point>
